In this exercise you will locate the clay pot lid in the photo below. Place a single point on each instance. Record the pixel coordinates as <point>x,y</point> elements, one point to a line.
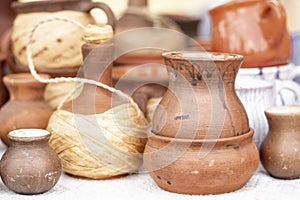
<point>200,55</point>
<point>23,78</point>
<point>284,110</point>
<point>233,139</point>
<point>28,135</point>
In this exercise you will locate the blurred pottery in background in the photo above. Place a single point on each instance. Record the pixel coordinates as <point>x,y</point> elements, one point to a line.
<point>280,154</point>
<point>56,53</point>
<point>256,96</point>
<point>30,165</point>
<point>287,90</point>
<point>3,90</point>
<point>265,43</point>
<point>295,39</point>
<point>26,107</point>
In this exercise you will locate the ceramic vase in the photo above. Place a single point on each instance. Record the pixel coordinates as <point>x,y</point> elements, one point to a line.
<point>26,107</point>
<point>201,101</point>
<point>279,151</point>
<point>30,165</point>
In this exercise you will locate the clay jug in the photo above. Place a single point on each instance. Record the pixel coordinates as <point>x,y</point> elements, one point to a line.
<point>279,151</point>
<point>255,29</point>
<point>201,101</point>
<point>26,107</point>
<point>30,165</point>
<point>63,46</point>
<point>98,67</point>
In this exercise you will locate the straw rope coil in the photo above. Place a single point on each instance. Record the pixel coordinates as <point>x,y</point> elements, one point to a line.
<point>95,146</point>
<point>99,146</point>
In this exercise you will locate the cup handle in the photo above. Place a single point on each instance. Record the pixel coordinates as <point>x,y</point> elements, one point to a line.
<point>272,21</point>
<point>294,73</point>
<point>111,20</point>
<point>288,92</point>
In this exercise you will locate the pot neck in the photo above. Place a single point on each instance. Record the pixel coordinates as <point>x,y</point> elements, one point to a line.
<point>98,62</point>
<point>25,90</point>
<point>203,74</point>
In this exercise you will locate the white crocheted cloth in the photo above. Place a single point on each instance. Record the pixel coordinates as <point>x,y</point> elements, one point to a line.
<point>141,187</point>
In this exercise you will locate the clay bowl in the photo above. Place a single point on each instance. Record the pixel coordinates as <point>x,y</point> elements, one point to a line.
<point>129,78</point>
<point>223,165</point>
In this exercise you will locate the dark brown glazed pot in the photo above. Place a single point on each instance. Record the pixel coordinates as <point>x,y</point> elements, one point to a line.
<point>280,150</point>
<point>201,101</point>
<point>201,166</point>
<point>30,165</point>
<point>53,6</point>
<point>26,107</point>
<point>255,29</point>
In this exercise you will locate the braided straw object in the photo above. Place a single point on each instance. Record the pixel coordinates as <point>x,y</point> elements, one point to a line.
<point>95,146</point>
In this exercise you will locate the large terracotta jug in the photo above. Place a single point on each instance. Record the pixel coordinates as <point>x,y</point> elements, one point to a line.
<point>26,107</point>
<point>255,29</point>
<point>201,101</point>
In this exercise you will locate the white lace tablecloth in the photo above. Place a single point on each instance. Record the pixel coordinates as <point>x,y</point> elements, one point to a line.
<point>141,187</point>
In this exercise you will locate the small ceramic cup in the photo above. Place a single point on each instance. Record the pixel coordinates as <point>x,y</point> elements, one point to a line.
<point>287,90</point>
<point>256,96</point>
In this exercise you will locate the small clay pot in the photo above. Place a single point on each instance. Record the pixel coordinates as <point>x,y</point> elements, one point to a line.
<point>30,165</point>
<point>26,107</point>
<point>280,151</point>
<point>201,166</point>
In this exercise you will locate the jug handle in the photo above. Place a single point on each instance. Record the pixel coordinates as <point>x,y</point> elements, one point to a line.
<point>272,21</point>
<point>111,20</point>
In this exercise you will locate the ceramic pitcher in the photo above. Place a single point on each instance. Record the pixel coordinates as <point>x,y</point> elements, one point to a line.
<point>253,28</point>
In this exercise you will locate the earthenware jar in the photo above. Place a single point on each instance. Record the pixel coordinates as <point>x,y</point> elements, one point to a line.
<point>26,107</point>
<point>253,28</point>
<point>201,101</point>
<point>201,166</point>
<point>97,66</point>
<point>30,165</point>
<point>280,154</point>
<point>57,40</point>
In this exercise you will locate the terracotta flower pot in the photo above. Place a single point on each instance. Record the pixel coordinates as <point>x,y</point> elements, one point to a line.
<point>30,165</point>
<point>201,166</point>
<point>201,100</point>
<point>280,151</point>
<point>26,107</point>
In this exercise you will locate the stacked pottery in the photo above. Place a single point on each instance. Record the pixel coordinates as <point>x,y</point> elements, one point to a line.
<point>200,141</point>
<point>265,45</point>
